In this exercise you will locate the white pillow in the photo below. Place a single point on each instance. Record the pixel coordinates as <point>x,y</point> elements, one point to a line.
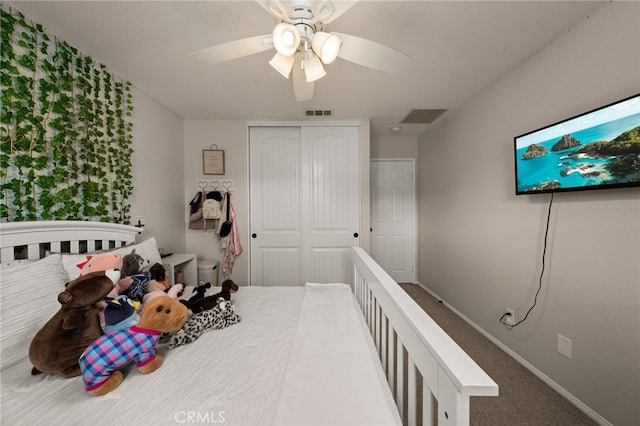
<point>148,249</point>
<point>14,263</point>
<point>29,298</point>
<point>70,264</point>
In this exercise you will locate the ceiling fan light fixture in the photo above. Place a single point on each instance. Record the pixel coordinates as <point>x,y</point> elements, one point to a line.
<point>326,46</point>
<point>313,69</point>
<point>286,39</point>
<point>282,64</point>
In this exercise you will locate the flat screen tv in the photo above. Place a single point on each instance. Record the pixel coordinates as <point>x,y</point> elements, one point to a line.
<point>595,150</point>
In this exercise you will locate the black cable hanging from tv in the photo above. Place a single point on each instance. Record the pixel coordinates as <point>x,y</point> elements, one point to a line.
<point>544,252</point>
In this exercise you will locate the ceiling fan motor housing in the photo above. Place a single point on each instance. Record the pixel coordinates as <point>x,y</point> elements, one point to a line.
<point>312,11</point>
<point>301,29</point>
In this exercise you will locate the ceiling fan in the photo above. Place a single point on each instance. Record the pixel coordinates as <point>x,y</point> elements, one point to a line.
<point>302,44</point>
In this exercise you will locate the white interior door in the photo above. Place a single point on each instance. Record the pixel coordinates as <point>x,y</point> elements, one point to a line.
<point>393,241</point>
<point>331,202</point>
<point>304,204</point>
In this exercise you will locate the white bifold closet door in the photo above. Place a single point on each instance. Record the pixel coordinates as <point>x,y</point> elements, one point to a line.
<point>304,204</point>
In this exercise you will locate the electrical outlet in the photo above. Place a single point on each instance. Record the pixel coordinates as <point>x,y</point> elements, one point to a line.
<point>510,317</point>
<point>564,346</point>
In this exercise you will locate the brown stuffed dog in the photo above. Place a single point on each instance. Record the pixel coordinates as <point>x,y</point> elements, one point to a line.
<point>100,361</point>
<point>55,349</point>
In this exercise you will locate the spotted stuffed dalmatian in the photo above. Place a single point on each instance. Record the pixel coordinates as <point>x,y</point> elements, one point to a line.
<point>220,316</point>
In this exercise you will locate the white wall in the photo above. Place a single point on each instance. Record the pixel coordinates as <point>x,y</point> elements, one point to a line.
<point>396,146</point>
<point>158,172</point>
<point>480,245</point>
<point>230,136</point>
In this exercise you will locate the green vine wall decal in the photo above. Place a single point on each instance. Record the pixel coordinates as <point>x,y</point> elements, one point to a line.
<point>65,130</point>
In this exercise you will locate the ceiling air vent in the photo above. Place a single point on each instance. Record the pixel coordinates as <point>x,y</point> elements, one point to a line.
<point>318,113</point>
<point>423,116</point>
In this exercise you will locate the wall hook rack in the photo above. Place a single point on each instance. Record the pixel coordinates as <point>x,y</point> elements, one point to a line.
<point>222,185</point>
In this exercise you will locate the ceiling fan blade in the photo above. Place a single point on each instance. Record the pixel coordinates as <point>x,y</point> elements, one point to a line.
<point>302,90</point>
<point>279,9</point>
<point>341,7</point>
<point>234,49</point>
<point>371,54</point>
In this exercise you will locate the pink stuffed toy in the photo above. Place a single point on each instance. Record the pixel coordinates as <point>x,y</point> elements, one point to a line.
<point>102,262</point>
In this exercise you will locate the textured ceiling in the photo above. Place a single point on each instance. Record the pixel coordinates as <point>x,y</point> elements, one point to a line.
<point>457,48</point>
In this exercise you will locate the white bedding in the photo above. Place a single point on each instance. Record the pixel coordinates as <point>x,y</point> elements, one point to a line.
<point>279,365</point>
<point>327,346</point>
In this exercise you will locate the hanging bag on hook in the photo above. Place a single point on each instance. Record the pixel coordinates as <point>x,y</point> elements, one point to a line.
<point>225,228</point>
<point>211,208</point>
<point>195,207</point>
<point>197,219</point>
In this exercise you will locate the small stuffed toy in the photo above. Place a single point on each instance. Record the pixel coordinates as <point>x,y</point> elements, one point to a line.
<point>173,293</point>
<point>101,262</point>
<point>55,349</point>
<point>100,361</point>
<point>159,273</point>
<point>132,264</point>
<point>138,288</point>
<point>104,261</point>
<point>153,285</point>
<point>228,287</point>
<point>133,270</point>
<point>200,292</point>
<point>222,315</point>
<point>120,313</point>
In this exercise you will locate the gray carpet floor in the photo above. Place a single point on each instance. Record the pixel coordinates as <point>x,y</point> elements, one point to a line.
<point>524,398</point>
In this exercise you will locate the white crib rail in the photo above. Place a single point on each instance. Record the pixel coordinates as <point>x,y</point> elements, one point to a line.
<point>448,373</point>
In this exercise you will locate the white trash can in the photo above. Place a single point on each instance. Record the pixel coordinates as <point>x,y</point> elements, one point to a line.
<point>208,272</point>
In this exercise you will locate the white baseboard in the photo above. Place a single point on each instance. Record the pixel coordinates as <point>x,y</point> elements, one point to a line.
<point>562,391</point>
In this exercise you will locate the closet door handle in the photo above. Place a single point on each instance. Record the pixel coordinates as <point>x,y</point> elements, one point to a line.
<point>254,235</point>
<point>355,235</point>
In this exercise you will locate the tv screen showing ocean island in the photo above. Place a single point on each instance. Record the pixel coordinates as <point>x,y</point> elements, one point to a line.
<point>595,150</point>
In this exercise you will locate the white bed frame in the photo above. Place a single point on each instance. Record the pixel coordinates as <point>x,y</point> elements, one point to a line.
<point>396,322</point>
<point>51,235</point>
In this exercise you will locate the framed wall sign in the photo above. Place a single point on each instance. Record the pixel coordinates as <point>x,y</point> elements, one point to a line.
<point>213,161</point>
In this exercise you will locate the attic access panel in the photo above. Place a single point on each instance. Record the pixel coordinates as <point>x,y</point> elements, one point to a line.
<point>422,116</point>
